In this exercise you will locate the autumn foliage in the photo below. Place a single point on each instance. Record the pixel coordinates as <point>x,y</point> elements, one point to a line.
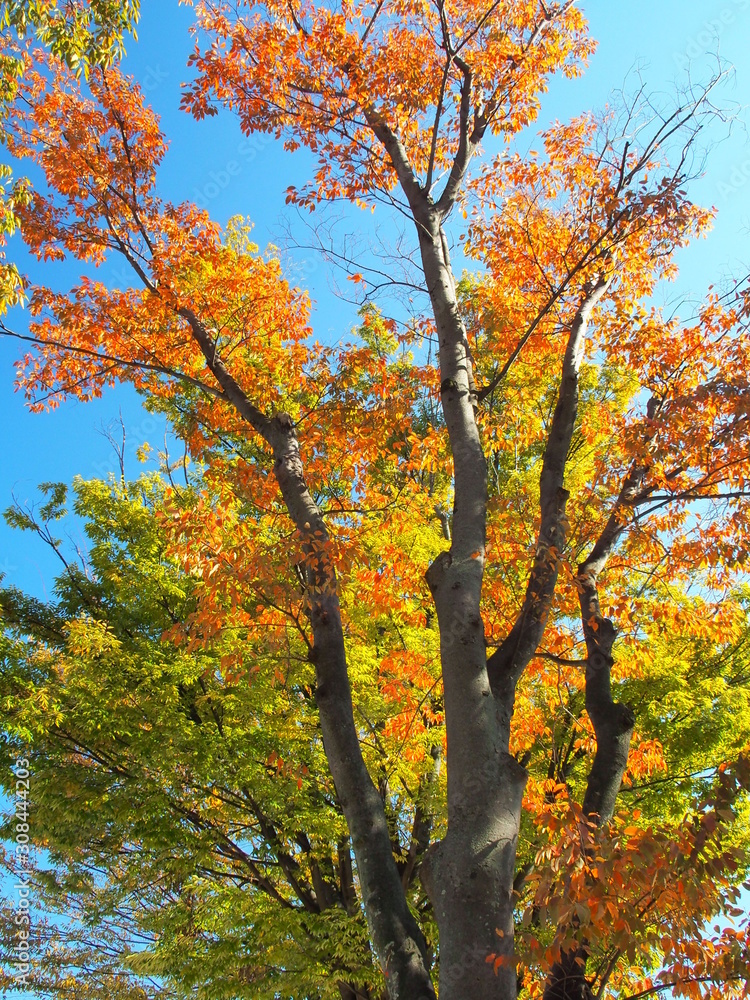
<point>434,666</point>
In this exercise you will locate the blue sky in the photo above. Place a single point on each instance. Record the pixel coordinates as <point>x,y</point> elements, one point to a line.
<point>211,163</point>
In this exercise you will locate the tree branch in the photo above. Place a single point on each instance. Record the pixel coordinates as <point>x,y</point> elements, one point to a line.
<point>510,659</point>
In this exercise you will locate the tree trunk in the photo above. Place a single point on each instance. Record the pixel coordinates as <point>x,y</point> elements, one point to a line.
<point>613,725</point>
<point>469,875</point>
<point>397,938</point>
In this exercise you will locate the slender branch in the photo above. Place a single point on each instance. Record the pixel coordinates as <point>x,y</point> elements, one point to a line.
<point>514,653</point>
<point>662,987</point>
<point>592,253</point>
<point>436,125</point>
<point>371,22</point>
<point>466,143</point>
<point>125,363</point>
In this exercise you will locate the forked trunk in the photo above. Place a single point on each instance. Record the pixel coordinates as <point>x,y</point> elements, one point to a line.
<point>469,875</point>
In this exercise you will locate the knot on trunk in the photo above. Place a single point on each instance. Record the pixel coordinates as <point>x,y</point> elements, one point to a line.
<point>600,633</point>
<point>627,717</point>
<point>436,571</point>
<point>429,870</point>
<point>282,436</point>
<point>600,661</point>
<point>447,384</point>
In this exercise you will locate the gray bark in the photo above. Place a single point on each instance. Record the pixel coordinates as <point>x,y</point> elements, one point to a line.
<point>613,727</point>
<point>613,722</point>
<point>469,875</point>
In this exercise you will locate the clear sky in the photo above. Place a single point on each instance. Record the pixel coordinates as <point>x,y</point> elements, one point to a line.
<point>661,37</point>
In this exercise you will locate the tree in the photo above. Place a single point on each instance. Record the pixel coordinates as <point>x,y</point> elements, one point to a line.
<point>81,33</point>
<point>187,813</point>
<point>186,783</point>
<point>616,439</point>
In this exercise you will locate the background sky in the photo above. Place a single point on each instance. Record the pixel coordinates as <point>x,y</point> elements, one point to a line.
<point>211,163</point>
